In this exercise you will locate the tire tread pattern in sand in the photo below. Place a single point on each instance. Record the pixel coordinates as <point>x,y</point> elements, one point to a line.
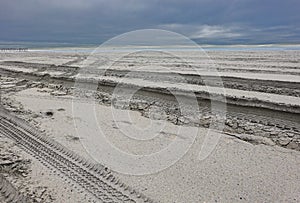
<point>96,179</point>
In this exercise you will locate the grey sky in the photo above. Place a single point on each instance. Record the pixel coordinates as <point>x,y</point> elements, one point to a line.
<point>205,21</point>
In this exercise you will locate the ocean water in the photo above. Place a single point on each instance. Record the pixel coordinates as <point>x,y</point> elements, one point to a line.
<point>73,48</point>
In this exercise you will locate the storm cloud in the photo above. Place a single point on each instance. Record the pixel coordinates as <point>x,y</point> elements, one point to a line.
<point>205,21</point>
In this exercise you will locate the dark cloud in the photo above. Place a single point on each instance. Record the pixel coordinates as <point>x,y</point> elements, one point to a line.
<point>206,21</point>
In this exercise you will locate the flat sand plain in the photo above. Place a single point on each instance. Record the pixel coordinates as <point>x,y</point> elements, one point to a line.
<point>256,157</point>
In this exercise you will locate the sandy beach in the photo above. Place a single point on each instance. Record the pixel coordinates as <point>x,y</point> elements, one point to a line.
<point>241,109</point>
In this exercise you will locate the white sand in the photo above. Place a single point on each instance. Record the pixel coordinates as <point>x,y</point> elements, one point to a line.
<point>235,171</point>
<point>19,69</point>
<point>261,96</point>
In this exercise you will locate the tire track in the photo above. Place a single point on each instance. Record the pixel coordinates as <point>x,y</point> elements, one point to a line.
<point>96,179</point>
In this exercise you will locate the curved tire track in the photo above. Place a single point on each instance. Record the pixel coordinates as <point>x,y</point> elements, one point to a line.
<point>96,179</point>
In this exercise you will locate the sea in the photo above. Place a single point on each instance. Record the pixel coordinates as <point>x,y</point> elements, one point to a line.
<point>88,48</point>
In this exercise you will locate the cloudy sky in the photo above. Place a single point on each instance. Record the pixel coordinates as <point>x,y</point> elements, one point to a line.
<point>205,21</point>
